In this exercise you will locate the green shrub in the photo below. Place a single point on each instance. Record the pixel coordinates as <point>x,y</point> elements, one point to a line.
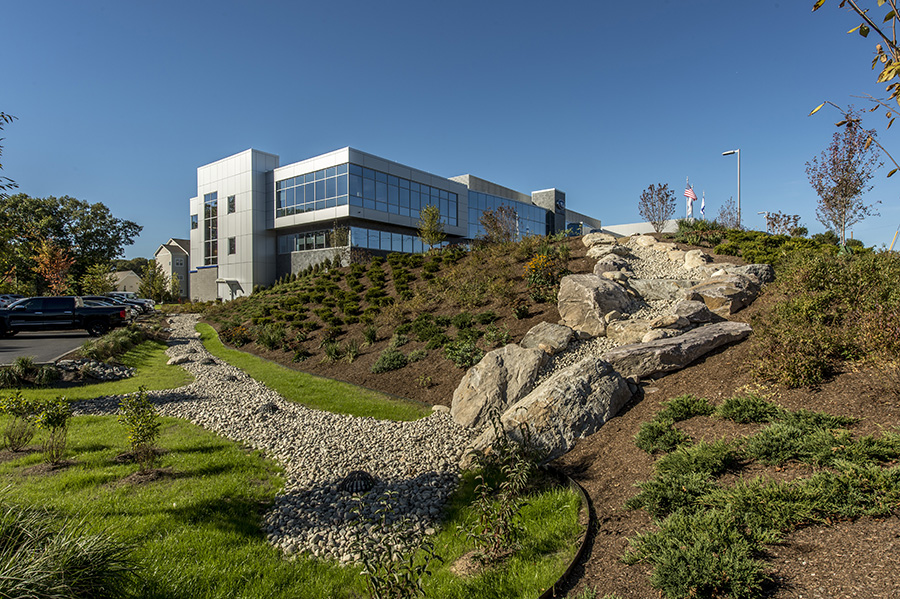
<point>416,355</point>
<point>486,317</point>
<point>706,458</point>
<point>659,435</point>
<point>20,427</point>
<point>139,417</point>
<point>497,336</point>
<point>671,491</point>
<point>370,334</point>
<point>463,320</point>
<point>332,352</point>
<point>271,336</point>
<point>398,340</point>
<point>389,359</point>
<point>748,408</point>
<point>684,407</point>
<point>463,352</point>
<point>53,416</point>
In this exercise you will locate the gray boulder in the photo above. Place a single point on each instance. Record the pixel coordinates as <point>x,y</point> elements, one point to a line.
<point>665,355</point>
<point>610,263</point>
<point>501,378</point>
<point>584,299</point>
<point>695,312</point>
<point>725,294</point>
<point>763,273</point>
<point>696,259</point>
<point>660,289</point>
<point>548,337</point>
<point>601,251</point>
<point>624,332</point>
<point>570,405</point>
<point>592,239</point>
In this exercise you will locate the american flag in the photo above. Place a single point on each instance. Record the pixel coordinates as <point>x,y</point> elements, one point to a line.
<point>689,193</point>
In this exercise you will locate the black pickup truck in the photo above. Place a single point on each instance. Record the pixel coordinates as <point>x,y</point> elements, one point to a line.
<point>55,313</point>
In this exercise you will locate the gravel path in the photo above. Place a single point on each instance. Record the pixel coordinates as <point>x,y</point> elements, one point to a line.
<point>413,465</point>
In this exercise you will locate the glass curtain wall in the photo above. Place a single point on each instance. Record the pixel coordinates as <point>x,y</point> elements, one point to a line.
<point>359,237</point>
<point>362,187</point>
<point>532,220</point>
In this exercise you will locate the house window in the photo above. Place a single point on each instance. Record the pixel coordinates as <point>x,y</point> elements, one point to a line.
<point>231,204</point>
<point>232,245</point>
<point>179,262</point>
<point>194,222</point>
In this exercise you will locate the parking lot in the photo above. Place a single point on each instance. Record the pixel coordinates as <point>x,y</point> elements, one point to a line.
<point>43,346</point>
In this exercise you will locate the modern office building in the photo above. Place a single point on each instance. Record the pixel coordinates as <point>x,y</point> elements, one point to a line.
<point>254,221</point>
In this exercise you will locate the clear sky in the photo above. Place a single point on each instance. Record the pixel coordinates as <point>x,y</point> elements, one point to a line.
<point>119,102</point>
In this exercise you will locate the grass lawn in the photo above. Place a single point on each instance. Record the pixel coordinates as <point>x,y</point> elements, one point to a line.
<point>148,359</point>
<point>312,391</point>
<point>195,530</point>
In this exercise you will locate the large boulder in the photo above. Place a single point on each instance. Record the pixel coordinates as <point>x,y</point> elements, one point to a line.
<point>584,299</point>
<point>645,240</point>
<point>696,259</point>
<point>592,239</point>
<point>570,405</point>
<point>500,379</point>
<point>625,332</point>
<point>694,312</point>
<point>660,289</point>
<point>601,251</point>
<point>665,355</point>
<point>610,263</point>
<point>763,273</point>
<point>548,337</point>
<point>725,294</point>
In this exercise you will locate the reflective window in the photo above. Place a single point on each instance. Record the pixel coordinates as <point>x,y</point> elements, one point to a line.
<point>194,221</point>
<point>232,245</point>
<point>231,204</point>
<point>530,219</point>
<point>211,228</point>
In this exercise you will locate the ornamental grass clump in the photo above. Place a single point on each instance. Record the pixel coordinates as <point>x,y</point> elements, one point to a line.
<point>139,417</point>
<point>44,558</point>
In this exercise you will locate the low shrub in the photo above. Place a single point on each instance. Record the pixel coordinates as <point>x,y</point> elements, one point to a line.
<point>271,336</point>
<point>53,416</point>
<point>139,417</point>
<point>463,352</point>
<point>684,407</point>
<point>748,408</point>
<point>389,359</point>
<point>21,425</point>
<point>660,435</point>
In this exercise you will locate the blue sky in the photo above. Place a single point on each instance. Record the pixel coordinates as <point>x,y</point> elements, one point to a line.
<point>120,102</point>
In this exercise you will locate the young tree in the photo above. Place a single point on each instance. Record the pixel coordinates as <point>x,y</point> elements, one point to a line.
<point>431,229</point>
<point>157,286</point>
<point>52,265</point>
<point>840,176</point>
<point>782,224</point>
<point>98,280</point>
<point>500,225</point>
<point>728,215</point>
<point>657,205</point>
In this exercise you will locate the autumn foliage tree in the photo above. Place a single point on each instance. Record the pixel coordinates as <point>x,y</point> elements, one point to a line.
<point>841,175</point>
<point>52,265</point>
<point>657,205</point>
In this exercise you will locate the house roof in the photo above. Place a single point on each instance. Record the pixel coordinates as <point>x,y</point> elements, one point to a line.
<point>175,246</point>
<point>121,275</point>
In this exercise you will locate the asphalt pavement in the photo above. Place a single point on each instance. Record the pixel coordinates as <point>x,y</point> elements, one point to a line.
<point>43,346</point>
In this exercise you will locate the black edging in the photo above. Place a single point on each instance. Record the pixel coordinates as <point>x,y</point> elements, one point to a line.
<point>550,593</point>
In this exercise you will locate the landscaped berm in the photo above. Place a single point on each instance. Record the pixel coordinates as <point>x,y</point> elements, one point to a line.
<point>730,402</point>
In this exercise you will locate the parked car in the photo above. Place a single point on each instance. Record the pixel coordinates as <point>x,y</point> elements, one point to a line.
<point>8,298</point>
<point>56,313</point>
<point>130,296</point>
<point>133,308</point>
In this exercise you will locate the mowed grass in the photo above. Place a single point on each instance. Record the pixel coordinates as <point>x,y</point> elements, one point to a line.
<point>196,530</point>
<point>314,392</point>
<point>151,372</point>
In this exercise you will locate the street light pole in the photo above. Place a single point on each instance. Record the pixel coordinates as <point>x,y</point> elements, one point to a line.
<point>738,152</point>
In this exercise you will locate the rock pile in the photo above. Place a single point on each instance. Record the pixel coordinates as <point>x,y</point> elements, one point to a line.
<point>647,308</point>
